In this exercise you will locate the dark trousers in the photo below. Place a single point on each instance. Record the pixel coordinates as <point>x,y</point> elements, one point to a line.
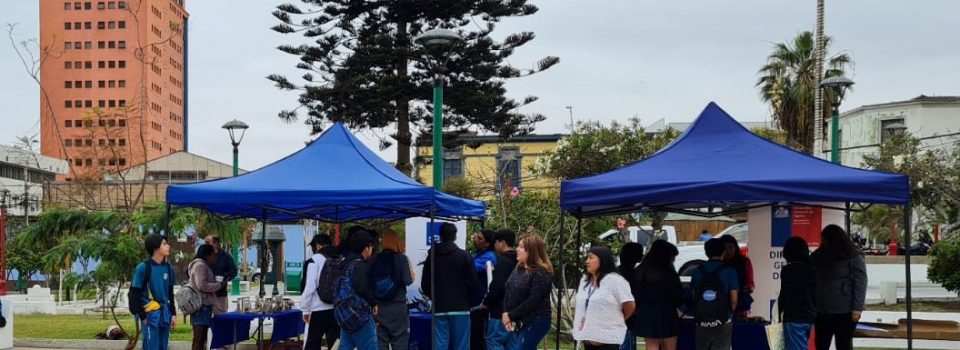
<point>478,329</point>
<point>322,325</point>
<point>588,346</point>
<point>840,326</point>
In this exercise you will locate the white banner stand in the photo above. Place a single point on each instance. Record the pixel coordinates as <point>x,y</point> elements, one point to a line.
<point>417,248</point>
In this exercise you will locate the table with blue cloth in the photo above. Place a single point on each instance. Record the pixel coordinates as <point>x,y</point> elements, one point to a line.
<point>420,331</point>
<point>746,335</point>
<point>233,327</point>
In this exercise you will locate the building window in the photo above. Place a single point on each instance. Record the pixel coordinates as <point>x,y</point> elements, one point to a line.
<point>88,45</point>
<point>88,104</point>
<point>101,64</point>
<point>68,65</point>
<point>88,162</point>
<point>78,162</point>
<point>122,103</point>
<point>890,127</point>
<point>101,45</point>
<point>112,84</point>
<point>101,6</point>
<point>111,5</point>
<point>89,64</point>
<point>67,45</point>
<point>122,64</point>
<point>102,103</point>
<point>113,44</point>
<point>123,161</point>
<point>122,24</point>
<point>122,44</point>
<point>508,168</point>
<point>77,6</point>
<point>68,104</point>
<point>112,64</point>
<point>121,4</point>
<point>88,142</point>
<point>66,25</point>
<point>68,123</point>
<point>122,142</point>
<point>122,84</point>
<point>87,25</point>
<point>111,25</point>
<point>68,143</point>
<point>88,6</point>
<point>452,163</point>
<point>122,123</point>
<point>101,25</point>
<point>68,84</point>
<point>66,6</point>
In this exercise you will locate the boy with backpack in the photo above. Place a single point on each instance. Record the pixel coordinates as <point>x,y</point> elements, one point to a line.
<point>354,305</point>
<point>390,274</point>
<point>151,294</point>
<point>317,313</point>
<point>714,286</point>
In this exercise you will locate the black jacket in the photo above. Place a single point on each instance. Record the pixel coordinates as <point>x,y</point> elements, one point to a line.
<point>401,273</point>
<point>455,278</point>
<point>656,285</point>
<point>224,267</point>
<point>361,284</point>
<point>527,295</point>
<point>798,288</point>
<point>506,263</point>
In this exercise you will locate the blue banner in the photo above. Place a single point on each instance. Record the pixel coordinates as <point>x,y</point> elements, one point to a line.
<point>782,225</point>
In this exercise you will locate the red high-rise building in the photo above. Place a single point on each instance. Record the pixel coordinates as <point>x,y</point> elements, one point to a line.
<point>113,82</point>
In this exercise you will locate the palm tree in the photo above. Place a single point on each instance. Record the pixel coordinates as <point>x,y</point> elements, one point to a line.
<point>788,82</point>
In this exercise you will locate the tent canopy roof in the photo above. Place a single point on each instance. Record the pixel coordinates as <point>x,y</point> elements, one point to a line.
<point>718,162</point>
<point>334,179</point>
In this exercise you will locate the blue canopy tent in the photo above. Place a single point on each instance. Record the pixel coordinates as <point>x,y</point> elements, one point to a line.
<point>334,179</point>
<point>716,162</point>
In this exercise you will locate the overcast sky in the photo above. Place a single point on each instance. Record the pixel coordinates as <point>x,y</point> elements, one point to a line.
<point>619,59</point>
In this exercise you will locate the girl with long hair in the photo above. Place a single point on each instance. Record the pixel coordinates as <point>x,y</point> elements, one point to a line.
<point>630,255</point>
<point>526,304</point>
<point>841,288</point>
<point>744,267</point>
<point>659,293</point>
<point>604,302</point>
<point>202,280</point>
<point>798,283</point>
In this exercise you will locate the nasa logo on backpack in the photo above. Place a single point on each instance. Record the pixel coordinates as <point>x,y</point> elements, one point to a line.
<point>709,295</point>
<point>166,276</point>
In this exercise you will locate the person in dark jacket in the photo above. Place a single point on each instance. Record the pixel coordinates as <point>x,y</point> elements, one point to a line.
<point>359,249</point>
<point>503,242</point>
<point>798,285</point>
<point>393,321</point>
<point>526,304</point>
<point>657,290</point>
<point>483,253</point>
<point>841,288</point>
<point>452,268</point>
<point>630,255</point>
<point>225,268</point>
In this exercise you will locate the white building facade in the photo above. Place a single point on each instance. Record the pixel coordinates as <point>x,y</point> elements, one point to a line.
<point>935,120</point>
<point>22,176</point>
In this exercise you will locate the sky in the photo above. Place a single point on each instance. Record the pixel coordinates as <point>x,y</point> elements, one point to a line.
<point>619,59</point>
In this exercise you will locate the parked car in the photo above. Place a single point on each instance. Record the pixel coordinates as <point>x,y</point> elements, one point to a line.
<point>645,235</point>
<point>691,253</point>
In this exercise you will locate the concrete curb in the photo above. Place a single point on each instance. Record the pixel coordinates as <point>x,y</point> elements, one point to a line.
<point>97,344</point>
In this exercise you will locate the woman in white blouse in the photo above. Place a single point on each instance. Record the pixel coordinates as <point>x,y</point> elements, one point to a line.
<point>604,302</point>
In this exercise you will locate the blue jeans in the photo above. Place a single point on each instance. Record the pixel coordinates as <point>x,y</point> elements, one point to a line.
<point>364,339</point>
<point>796,335</point>
<point>629,342</point>
<point>202,317</point>
<point>453,332</point>
<point>498,338</point>
<point>532,333</point>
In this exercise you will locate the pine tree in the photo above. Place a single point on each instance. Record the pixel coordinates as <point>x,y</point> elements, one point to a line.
<point>363,68</point>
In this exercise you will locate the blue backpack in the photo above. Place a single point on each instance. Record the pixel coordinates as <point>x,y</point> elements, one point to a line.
<point>382,277</point>
<point>351,312</point>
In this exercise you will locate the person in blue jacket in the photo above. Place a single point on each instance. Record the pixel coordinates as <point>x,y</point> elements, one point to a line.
<point>482,254</point>
<point>159,313</point>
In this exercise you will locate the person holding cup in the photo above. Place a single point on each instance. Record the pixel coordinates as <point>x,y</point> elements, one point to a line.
<point>206,284</point>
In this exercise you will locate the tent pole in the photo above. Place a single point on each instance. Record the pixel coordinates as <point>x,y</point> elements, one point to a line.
<point>846,220</point>
<point>433,279</point>
<point>561,292</point>
<point>907,216</point>
<point>263,272</point>
<point>166,222</point>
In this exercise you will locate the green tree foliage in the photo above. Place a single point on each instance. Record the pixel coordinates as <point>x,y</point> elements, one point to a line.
<point>778,136</point>
<point>788,83</point>
<point>943,266</point>
<point>24,259</point>
<point>362,67</point>
<point>595,148</point>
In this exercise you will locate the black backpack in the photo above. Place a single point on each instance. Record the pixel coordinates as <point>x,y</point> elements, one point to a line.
<point>303,275</point>
<point>711,298</point>
<point>383,277</point>
<point>327,284</point>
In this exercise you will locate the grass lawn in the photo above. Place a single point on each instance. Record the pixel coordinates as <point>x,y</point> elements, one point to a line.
<point>80,327</point>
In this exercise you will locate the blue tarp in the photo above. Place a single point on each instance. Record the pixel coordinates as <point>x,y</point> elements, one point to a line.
<point>719,162</point>
<point>334,179</point>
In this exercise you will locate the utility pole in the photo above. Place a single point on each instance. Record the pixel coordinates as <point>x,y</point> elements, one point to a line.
<point>818,93</point>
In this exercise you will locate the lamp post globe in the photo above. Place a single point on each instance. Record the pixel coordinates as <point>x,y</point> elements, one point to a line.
<point>236,129</point>
<point>438,41</point>
<point>839,85</point>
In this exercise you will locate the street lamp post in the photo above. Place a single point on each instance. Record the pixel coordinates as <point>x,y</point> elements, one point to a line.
<point>439,41</point>
<point>235,127</point>
<point>839,86</point>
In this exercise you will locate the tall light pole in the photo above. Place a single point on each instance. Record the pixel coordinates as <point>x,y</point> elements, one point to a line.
<point>838,85</point>
<point>439,42</point>
<point>572,125</point>
<point>235,127</point>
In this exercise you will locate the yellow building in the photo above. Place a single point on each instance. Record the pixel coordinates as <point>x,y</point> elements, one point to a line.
<point>492,164</point>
